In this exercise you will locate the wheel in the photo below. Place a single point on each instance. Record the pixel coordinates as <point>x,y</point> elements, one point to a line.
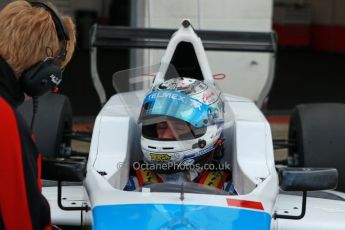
<point>53,119</point>
<point>318,134</point>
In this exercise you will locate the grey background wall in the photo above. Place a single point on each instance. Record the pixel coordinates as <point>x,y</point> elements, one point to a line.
<point>303,74</point>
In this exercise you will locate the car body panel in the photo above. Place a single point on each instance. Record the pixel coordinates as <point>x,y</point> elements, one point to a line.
<point>320,213</point>
<point>174,216</point>
<point>115,146</point>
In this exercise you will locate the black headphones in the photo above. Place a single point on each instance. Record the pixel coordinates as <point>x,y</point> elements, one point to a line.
<point>46,75</point>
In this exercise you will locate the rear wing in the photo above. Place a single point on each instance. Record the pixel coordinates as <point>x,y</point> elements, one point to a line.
<point>115,37</point>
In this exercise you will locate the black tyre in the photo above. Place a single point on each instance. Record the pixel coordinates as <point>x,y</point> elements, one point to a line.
<point>318,131</point>
<point>53,119</point>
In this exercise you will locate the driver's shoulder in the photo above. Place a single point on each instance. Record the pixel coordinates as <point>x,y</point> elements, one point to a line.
<point>213,178</point>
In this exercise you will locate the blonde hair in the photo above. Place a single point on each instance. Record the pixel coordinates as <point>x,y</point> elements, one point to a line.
<point>28,35</point>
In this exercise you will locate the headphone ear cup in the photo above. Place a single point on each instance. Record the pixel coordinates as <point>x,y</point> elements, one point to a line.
<point>41,78</point>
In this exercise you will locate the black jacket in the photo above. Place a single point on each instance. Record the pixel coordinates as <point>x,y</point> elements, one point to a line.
<point>22,206</point>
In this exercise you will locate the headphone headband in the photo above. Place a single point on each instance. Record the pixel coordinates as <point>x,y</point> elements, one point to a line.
<point>61,29</point>
<point>46,75</point>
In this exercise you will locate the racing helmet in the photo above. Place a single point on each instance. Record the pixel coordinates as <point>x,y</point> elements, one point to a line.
<point>182,122</point>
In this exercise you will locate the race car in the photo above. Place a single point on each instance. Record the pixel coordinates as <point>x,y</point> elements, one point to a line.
<point>268,196</point>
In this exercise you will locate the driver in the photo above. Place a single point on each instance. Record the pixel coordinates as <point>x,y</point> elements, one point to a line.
<point>182,140</point>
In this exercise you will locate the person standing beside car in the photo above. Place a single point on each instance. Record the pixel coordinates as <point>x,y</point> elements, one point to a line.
<point>35,44</point>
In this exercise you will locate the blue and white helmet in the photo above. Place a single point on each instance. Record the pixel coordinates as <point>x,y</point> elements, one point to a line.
<point>182,120</point>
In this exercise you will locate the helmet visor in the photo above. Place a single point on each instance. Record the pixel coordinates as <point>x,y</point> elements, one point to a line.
<point>167,128</point>
<point>178,105</point>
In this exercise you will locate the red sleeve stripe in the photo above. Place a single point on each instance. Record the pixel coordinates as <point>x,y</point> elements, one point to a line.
<point>39,171</point>
<point>39,165</point>
<point>13,198</point>
<point>245,204</point>
<point>48,227</point>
